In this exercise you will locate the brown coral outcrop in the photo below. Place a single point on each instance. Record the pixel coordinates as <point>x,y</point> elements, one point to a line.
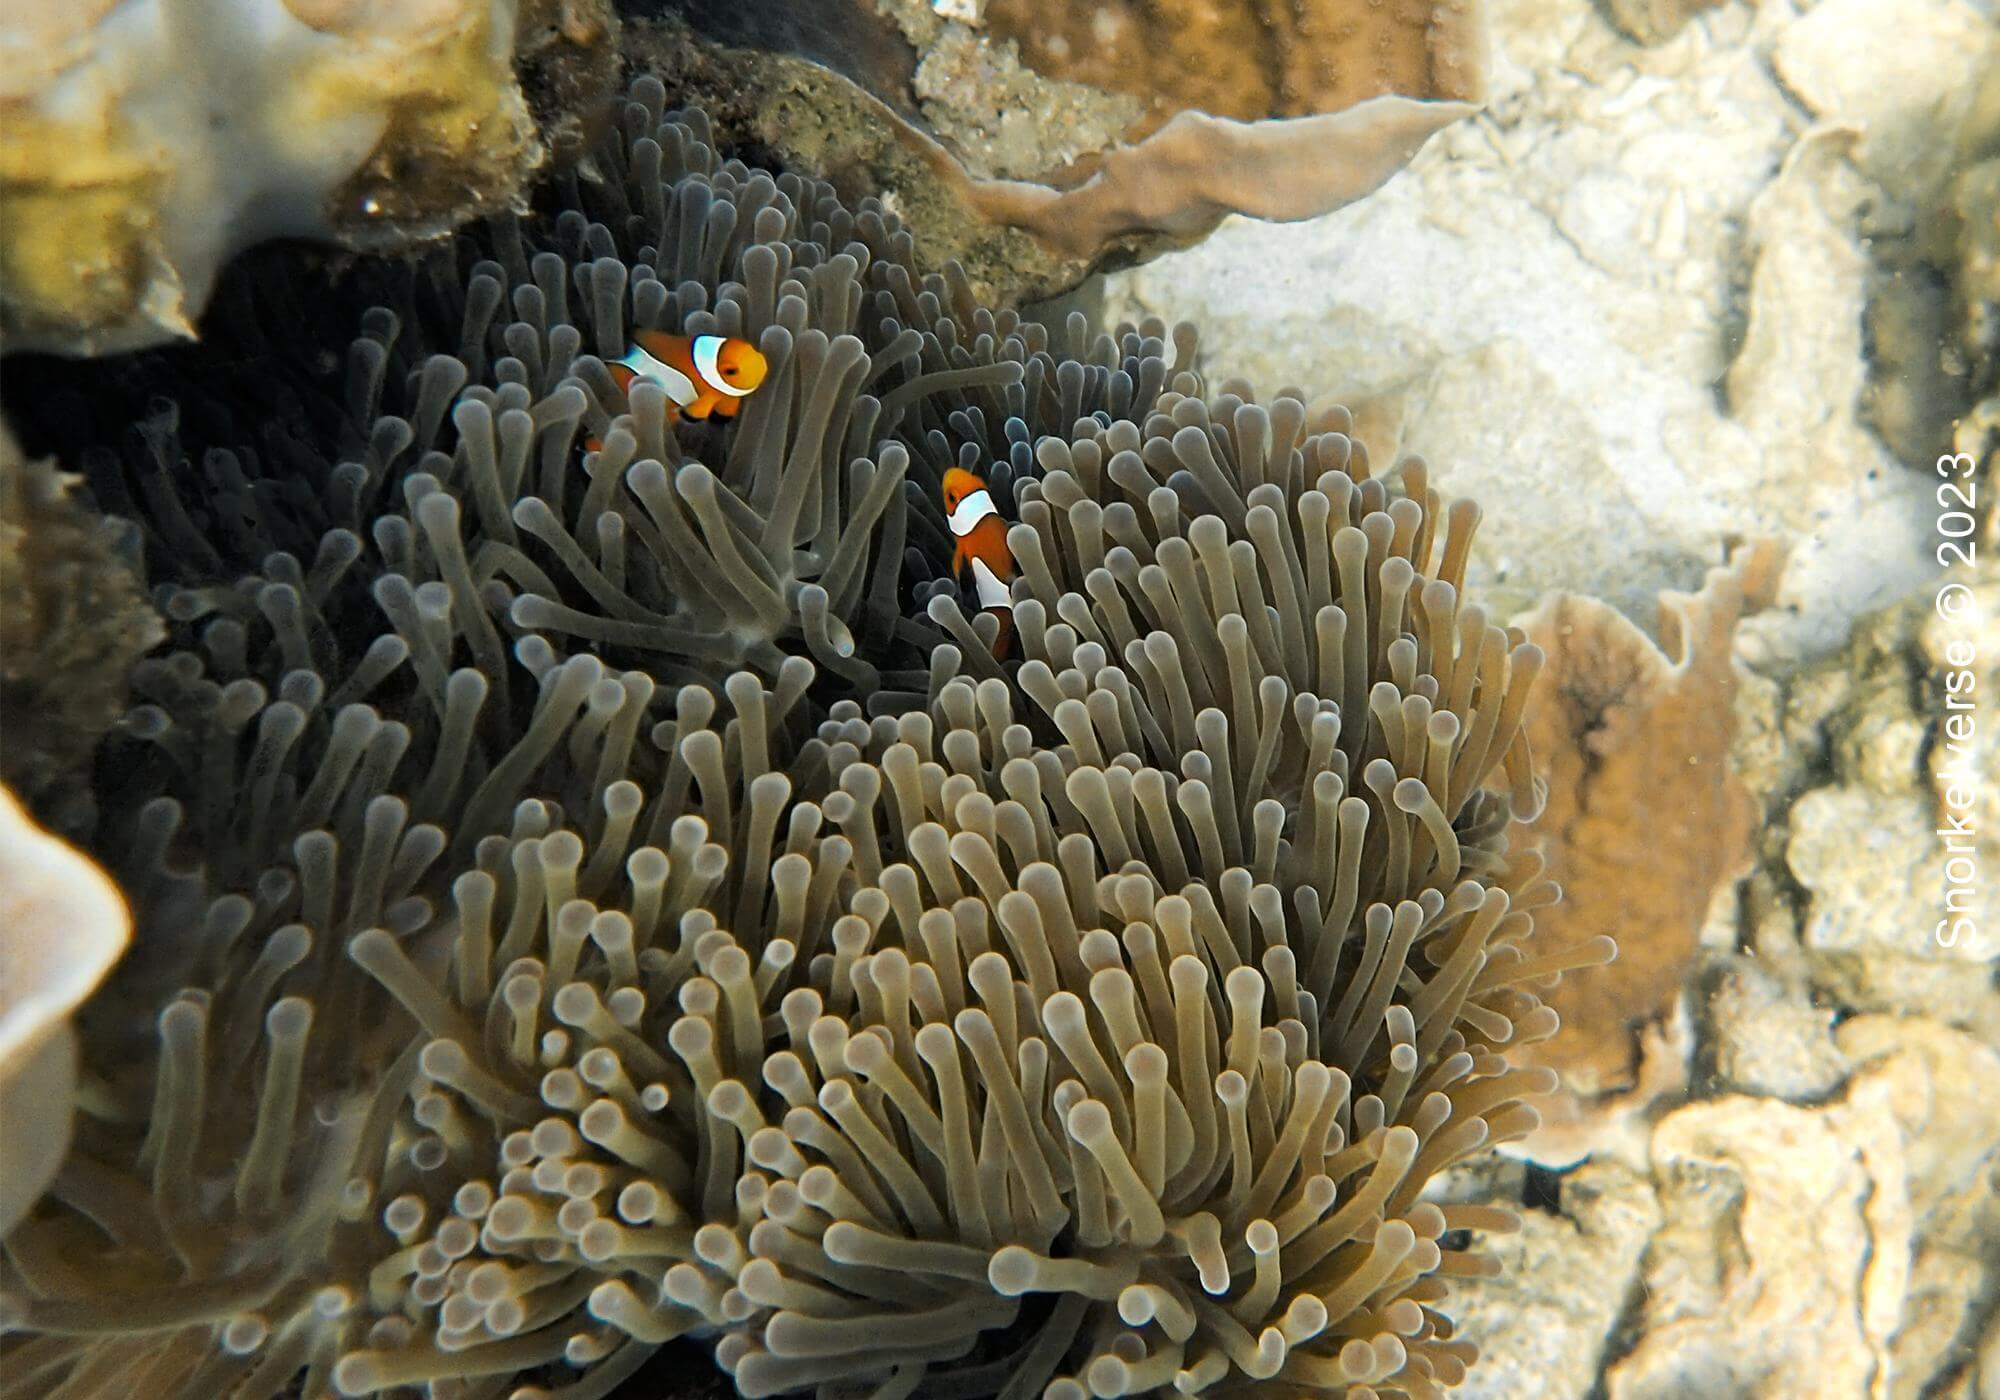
<point>1248,58</point>
<point>1645,820</point>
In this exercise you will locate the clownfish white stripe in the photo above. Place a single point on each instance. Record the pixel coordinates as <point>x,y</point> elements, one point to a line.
<point>991,591</point>
<point>679,387</point>
<point>971,511</point>
<point>706,348</point>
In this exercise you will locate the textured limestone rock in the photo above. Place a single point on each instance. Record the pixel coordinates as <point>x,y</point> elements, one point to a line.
<point>1831,1251</point>
<point>1548,297</point>
<point>1909,789</point>
<point>73,618</point>
<point>1765,1036</point>
<point>997,114</point>
<point>1961,657</point>
<point>1783,1263</point>
<point>1542,1324</point>
<point>62,925</point>
<point>1941,1085</point>
<point>1869,862</point>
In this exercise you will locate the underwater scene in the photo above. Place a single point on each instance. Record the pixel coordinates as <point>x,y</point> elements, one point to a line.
<point>999,699</point>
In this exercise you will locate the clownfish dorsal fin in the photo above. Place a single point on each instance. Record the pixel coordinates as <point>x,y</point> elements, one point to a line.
<point>670,349</point>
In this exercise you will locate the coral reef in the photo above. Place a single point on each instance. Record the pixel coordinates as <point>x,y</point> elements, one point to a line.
<point>62,926</point>
<point>1557,286</point>
<point>144,145</point>
<point>1244,60</point>
<point>73,619</point>
<point>614,894</point>
<point>1638,744</point>
<point>1031,182</point>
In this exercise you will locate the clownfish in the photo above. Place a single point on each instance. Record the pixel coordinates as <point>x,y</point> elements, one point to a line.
<point>702,374</point>
<point>980,548</point>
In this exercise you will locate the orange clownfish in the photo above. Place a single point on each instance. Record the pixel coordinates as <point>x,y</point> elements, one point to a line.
<point>980,548</point>
<point>702,374</point>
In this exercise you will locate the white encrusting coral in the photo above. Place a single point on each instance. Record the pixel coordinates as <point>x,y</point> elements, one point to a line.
<point>147,141</point>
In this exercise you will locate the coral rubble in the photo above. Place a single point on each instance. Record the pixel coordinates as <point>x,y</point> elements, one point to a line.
<point>596,885</point>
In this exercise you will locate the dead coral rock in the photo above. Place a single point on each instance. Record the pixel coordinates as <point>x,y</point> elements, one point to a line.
<point>73,619</point>
<point>1766,1037</point>
<point>1907,75</point>
<point>1961,659</point>
<point>1783,1263</point>
<point>1243,59</point>
<point>1645,820</point>
<point>140,149</point>
<point>1840,1250</point>
<point>1910,789</point>
<point>1869,863</point>
<point>1655,21</point>
<point>1941,1085</point>
<point>954,143</point>
<point>1541,1324</point>
<point>996,114</point>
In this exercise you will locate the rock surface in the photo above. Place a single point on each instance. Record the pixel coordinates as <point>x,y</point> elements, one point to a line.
<point>1542,1324</point>
<point>1819,1252</point>
<point>1631,289</point>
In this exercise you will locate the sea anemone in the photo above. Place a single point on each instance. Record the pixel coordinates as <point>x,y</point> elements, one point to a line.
<point>603,904</point>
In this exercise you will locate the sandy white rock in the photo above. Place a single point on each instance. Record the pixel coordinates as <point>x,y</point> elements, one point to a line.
<point>1548,303</point>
